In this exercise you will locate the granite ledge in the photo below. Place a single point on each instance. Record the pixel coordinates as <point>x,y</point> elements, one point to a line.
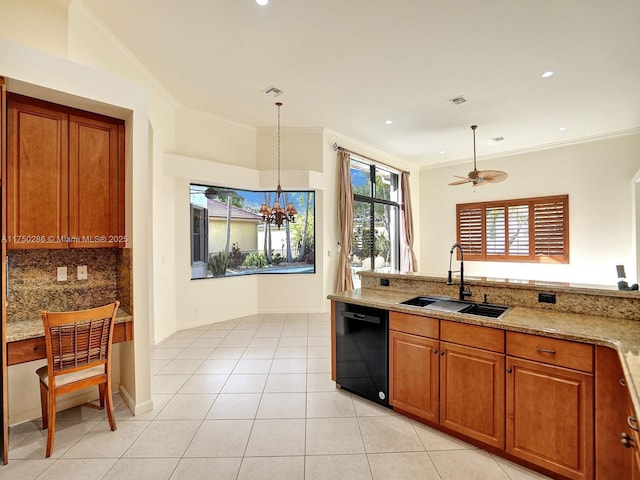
<point>537,285</point>
<point>28,329</point>
<point>621,334</point>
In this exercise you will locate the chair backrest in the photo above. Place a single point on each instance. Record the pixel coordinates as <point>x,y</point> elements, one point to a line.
<point>79,339</point>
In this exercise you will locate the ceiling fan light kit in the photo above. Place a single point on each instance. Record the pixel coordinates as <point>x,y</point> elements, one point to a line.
<point>479,177</point>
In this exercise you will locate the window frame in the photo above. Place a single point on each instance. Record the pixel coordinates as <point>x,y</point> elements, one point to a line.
<point>472,233</point>
<point>373,199</point>
<point>201,236</point>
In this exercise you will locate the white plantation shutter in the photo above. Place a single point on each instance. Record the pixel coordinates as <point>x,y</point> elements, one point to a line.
<point>526,230</point>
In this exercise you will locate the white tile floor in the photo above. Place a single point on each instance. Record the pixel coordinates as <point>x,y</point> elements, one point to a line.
<point>252,399</point>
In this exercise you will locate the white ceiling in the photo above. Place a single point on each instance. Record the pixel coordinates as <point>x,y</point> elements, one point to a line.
<point>349,65</point>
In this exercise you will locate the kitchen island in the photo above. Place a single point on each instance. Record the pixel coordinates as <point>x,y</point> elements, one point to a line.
<point>586,323</point>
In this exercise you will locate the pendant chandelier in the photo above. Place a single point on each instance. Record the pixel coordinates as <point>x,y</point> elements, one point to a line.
<point>276,214</point>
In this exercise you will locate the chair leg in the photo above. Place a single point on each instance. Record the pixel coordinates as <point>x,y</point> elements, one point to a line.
<point>108,400</point>
<point>43,404</point>
<point>101,395</point>
<point>51,424</point>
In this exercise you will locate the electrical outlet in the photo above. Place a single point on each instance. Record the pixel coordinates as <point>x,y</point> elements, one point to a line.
<point>82,272</point>
<point>62,274</point>
<point>547,297</point>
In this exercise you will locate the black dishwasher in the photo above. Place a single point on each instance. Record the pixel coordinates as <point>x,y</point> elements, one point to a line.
<point>362,362</point>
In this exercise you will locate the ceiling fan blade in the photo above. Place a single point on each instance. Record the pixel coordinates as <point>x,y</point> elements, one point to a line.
<point>459,176</point>
<point>461,182</point>
<point>492,176</point>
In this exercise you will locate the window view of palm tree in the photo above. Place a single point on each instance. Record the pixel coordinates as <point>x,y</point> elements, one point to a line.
<point>376,209</point>
<point>230,237</point>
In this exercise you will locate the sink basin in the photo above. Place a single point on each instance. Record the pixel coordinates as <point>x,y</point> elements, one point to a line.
<point>422,301</point>
<point>485,310</point>
<point>457,306</point>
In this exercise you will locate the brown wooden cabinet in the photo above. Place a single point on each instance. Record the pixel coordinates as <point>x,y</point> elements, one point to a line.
<point>65,177</point>
<point>414,365</point>
<point>612,409</point>
<point>413,374</point>
<point>96,183</point>
<point>550,408</point>
<point>458,383</point>
<point>4,400</point>
<point>472,381</point>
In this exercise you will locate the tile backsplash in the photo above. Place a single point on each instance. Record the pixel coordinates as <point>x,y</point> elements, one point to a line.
<point>33,284</point>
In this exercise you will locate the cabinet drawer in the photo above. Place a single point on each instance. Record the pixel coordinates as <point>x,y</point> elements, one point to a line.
<point>486,338</point>
<point>553,351</point>
<point>415,324</point>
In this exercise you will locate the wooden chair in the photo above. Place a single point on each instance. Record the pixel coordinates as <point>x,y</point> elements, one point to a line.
<point>78,356</point>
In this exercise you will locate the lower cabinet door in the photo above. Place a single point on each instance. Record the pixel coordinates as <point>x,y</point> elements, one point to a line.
<point>550,417</point>
<point>472,393</point>
<point>413,374</point>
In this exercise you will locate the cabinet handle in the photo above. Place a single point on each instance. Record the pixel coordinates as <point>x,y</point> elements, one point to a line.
<point>545,350</point>
<point>509,370</point>
<point>442,353</point>
<point>623,383</point>
<point>435,352</point>
<point>632,422</point>
<point>626,440</point>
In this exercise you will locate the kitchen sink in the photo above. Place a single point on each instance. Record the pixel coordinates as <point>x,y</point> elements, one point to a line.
<point>485,310</point>
<point>457,306</point>
<point>422,301</point>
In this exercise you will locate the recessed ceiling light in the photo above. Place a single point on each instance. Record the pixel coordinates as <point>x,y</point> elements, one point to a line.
<point>388,122</point>
<point>563,129</point>
<point>442,152</point>
<point>547,74</point>
<point>262,3</point>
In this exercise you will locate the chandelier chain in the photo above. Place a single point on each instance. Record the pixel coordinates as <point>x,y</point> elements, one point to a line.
<point>279,104</point>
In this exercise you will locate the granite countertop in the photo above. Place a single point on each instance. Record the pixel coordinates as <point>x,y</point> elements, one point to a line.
<point>27,329</point>
<point>618,333</point>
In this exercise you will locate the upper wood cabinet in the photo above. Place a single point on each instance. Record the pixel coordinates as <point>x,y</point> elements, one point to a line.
<point>65,177</point>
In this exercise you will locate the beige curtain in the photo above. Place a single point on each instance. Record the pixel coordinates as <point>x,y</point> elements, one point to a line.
<point>345,213</point>
<point>409,257</point>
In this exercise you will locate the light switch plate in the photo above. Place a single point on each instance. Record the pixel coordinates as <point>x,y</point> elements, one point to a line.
<point>82,272</point>
<point>62,274</point>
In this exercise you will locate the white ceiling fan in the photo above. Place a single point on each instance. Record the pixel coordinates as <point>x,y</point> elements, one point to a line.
<point>479,177</point>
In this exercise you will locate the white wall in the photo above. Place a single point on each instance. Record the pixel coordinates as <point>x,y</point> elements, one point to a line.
<point>90,43</point>
<point>40,24</point>
<point>597,175</point>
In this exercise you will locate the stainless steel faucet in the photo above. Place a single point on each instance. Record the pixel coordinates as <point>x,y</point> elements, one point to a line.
<point>463,293</point>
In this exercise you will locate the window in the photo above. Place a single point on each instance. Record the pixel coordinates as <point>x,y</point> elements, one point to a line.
<point>230,238</point>
<point>526,230</point>
<point>199,232</point>
<point>376,217</point>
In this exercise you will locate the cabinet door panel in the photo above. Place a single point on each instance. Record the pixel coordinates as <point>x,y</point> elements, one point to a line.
<point>550,417</point>
<point>472,393</point>
<point>37,177</point>
<point>611,393</point>
<point>413,374</point>
<point>93,182</point>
